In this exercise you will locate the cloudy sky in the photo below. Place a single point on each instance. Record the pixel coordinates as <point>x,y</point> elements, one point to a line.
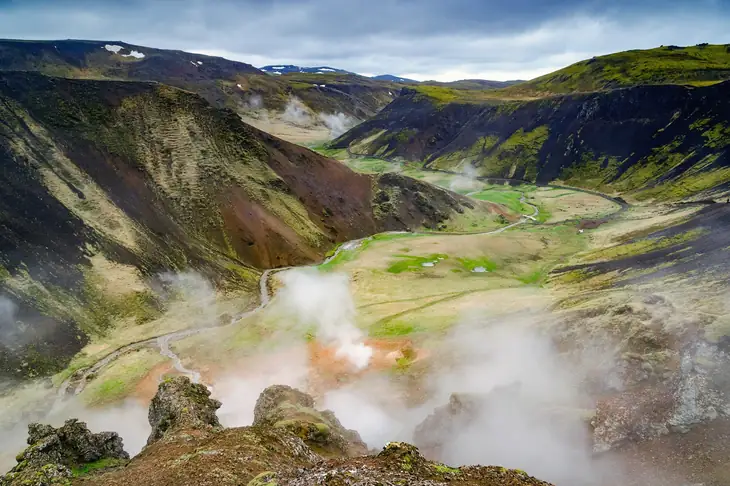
<point>420,39</point>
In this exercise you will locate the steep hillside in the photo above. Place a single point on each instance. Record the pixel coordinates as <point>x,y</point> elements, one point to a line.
<point>695,65</point>
<point>223,83</point>
<point>664,142</point>
<point>100,174</point>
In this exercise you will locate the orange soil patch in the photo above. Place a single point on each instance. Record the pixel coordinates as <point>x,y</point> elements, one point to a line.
<point>328,370</point>
<point>147,388</point>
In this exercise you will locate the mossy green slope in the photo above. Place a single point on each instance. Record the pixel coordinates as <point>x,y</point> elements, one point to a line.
<point>694,65</point>
<point>662,142</point>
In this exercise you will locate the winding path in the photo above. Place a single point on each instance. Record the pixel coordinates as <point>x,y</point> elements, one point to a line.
<point>75,384</point>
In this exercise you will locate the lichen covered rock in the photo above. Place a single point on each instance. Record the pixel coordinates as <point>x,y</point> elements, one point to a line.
<point>52,453</point>
<point>182,405</point>
<point>398,464</point>
<point>286,408</point>
<point>690,397</point>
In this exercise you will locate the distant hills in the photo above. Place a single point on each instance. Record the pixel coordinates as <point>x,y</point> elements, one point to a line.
<point>651,124</point>
<point>395,79</point>
<point>222,82</point>
<point>279,69</point>
<point>697,65</point>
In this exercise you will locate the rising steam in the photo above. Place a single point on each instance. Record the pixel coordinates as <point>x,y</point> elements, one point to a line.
<point>324,302</point>
<point>300,115</point>
<point>297,113</point>
<point>467,181</point>
<point>337,123</point>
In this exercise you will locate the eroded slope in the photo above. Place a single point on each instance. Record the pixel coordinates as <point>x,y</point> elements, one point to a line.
<point>154,178</point>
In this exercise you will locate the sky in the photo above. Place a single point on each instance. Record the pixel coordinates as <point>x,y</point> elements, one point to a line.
<point>444,40</point>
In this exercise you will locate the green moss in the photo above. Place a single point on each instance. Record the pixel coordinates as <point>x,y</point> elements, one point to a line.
<point>657,164</point>
<point>592,171</point>
<point>444,469</point>
<point>534,277</point>
<point>509,198</point>
<point>411,263</point>
<point>394,328</point>
<point>690,183</point>
<point>267,478</point>
<point>101,464</point>
<point>697,65</point>
<point>120,379</point>
<point>517,154</point>
<point>469,264</point>
<point>641,246</point>
<point>348,255</point>
<point>717,137</point>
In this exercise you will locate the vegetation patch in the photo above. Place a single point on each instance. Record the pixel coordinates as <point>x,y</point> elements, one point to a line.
<point>534,277</point>
<point>444,469</point>
<point>344,256</point>
<point>640,247</point>
<point>122,376</point>
<point>411,263</point>
<point>101,464</point>
<point>697,65</point>
<point>511,199</point>
<point>475,264</point>
<point>394,328</point>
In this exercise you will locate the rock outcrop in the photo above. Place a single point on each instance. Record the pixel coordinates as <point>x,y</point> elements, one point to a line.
<point>53,453</point>
<point>290,443</point>
<point>399,463</point>
<point>283,407</point>
<point>182,405</point>
<point>692,396</point>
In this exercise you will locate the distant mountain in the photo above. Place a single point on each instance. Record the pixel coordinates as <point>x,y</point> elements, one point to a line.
<point>394,79</point>
<point>473,84</point>
<point>222,82</point>
<point>277,69</point>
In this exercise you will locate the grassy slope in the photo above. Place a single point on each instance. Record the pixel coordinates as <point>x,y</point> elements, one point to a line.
<point>654,142</point>
<point>697,65</point>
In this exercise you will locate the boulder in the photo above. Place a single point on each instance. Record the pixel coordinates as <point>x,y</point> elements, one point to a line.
<point>692,395</point>
<point>52,453</point>
<point>287,408</point>
<point>182,405</point>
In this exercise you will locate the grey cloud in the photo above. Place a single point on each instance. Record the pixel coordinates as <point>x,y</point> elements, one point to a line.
<point>429,38</point>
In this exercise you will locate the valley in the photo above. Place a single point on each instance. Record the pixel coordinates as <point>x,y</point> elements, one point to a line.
<point>526,274</point>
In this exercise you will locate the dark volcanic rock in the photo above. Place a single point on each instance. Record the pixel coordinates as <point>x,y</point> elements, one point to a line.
<point>181,405</point>
<point>601,136</point>
<point>399,464</point>
<point>283,407</point>
<point>53,452</point>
